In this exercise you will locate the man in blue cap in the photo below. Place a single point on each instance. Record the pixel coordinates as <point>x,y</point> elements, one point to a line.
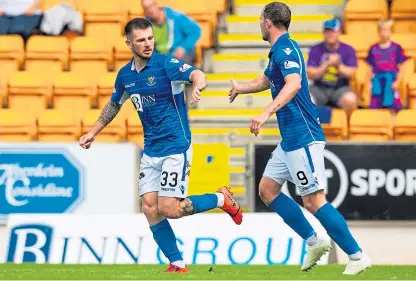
<point>331,66</point>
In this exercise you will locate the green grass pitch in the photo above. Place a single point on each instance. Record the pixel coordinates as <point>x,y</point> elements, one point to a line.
<point>197,272</point>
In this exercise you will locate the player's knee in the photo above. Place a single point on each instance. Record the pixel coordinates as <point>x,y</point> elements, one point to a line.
<point>268,190</point>
<point>150,210</point>
<point>313,202</point>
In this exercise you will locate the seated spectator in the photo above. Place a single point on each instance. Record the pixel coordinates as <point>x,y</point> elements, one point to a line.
<point>19,16</point>
<point>385,59</point>
<point>175,33</point>
<point>331,66</point>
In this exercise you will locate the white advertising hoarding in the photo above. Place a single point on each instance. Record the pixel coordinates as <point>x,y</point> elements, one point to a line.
<point>127,239</point>
<point>63,177</point>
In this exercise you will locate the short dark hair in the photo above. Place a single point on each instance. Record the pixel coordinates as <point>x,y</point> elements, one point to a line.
<point>279,13</point>
<point>136,23</point>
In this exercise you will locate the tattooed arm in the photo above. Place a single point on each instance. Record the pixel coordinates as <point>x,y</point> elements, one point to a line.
<point>110,111</point>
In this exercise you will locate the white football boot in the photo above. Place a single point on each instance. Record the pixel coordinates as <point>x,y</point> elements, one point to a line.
<point>315,253</point>
<point>355,267</point>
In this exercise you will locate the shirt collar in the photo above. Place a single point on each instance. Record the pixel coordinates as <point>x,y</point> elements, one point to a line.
<point>148,64</point>
<point>278,41</point>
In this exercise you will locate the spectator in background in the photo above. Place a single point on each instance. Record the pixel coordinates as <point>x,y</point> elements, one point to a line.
<point>175,33</point>
<point>19,16</point>
<point>331,66</point>
<point>385,59</point>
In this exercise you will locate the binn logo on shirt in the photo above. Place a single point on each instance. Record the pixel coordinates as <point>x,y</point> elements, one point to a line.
<point>141,102</point>
<point>137,102</point>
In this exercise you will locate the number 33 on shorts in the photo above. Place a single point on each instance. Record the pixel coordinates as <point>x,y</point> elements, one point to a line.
<point>169,175</point>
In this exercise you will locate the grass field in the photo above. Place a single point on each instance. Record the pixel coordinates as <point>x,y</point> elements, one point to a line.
<point>198,272</point>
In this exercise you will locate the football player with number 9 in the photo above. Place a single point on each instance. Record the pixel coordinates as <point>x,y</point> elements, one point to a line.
<point>299,156</point>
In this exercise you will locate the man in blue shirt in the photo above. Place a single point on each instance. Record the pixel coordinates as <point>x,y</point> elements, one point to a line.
<point>299,157</point>
<point>153,82</point>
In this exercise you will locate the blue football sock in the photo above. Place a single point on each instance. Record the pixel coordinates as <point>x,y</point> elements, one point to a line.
<point>166,240</point>
<point>292,215</point>
<point>204,202</point>
<point>337,228</point>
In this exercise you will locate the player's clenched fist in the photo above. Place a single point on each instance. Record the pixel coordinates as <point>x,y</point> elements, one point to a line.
<point>233,92</point>
<point>196,91</point>
<point>86,140</point>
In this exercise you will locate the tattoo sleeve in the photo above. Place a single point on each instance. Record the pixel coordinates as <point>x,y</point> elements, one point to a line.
<point>187,207</point>
<point>109,112</point>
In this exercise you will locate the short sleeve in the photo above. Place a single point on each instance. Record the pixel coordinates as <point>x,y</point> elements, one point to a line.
<point>350,58</point>
<point>370,58</point>
<point>400,56</point>
<point>289,61</point>
<point>314,58</point>
<point>178,70</point>
<point>119,95</point>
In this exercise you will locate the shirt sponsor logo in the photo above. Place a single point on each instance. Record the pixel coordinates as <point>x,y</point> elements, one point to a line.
<point>291,64</point>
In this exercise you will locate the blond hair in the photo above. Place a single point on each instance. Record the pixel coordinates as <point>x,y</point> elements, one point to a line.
<point>387,23</point>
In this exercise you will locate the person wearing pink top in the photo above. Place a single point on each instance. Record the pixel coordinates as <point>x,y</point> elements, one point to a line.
<point>385,58</point>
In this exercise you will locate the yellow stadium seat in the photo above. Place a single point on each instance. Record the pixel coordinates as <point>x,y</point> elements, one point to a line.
<point>361,83</point>
<point>104,20</point>
<point>114,132</point>
<point>210,168</point>
<point>135,132</point>
<point>337,129</point>
<point>200,10</point>
<point>11,54</point>
<point>371,125</point>
<point>89,57</point>
<point>412,92</point>
<point>403,13</point>
<point>405,125</point>
<point>360,45</point>
<point>134,8</point>
<point>73,93</point>
<point>122,53</point>
<point>3,93</point>
<point>47,4</point>
<point>361,17</point>
<point>47,55</point>
<point>56,125</point>
<point>16,126</point>
<point>105,88</point>
<point>29,91</point>
<point>206,40</point>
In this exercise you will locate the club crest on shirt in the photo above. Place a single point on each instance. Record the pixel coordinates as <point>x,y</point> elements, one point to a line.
<point>151,81</point>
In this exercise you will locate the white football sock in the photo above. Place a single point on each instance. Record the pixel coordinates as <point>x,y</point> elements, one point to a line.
<point>311,241</point>
<point>357,256</point>
<point>220,197</point>
<point>179,263</point>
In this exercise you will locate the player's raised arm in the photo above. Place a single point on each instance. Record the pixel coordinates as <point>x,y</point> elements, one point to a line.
<point>110,110</point>
<point>259,84</point>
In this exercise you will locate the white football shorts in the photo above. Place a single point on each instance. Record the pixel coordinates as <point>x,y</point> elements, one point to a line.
<point>305,167</point>
<point>169,175</point>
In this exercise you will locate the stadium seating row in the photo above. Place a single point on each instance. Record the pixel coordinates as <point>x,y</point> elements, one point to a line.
<point>51,55</point>
<point>361,17</point>
<point>111,15</point>
<point>59,125</point>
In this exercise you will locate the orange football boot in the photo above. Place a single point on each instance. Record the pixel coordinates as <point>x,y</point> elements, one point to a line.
<point>231,206</point>
<point>177,269</point>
